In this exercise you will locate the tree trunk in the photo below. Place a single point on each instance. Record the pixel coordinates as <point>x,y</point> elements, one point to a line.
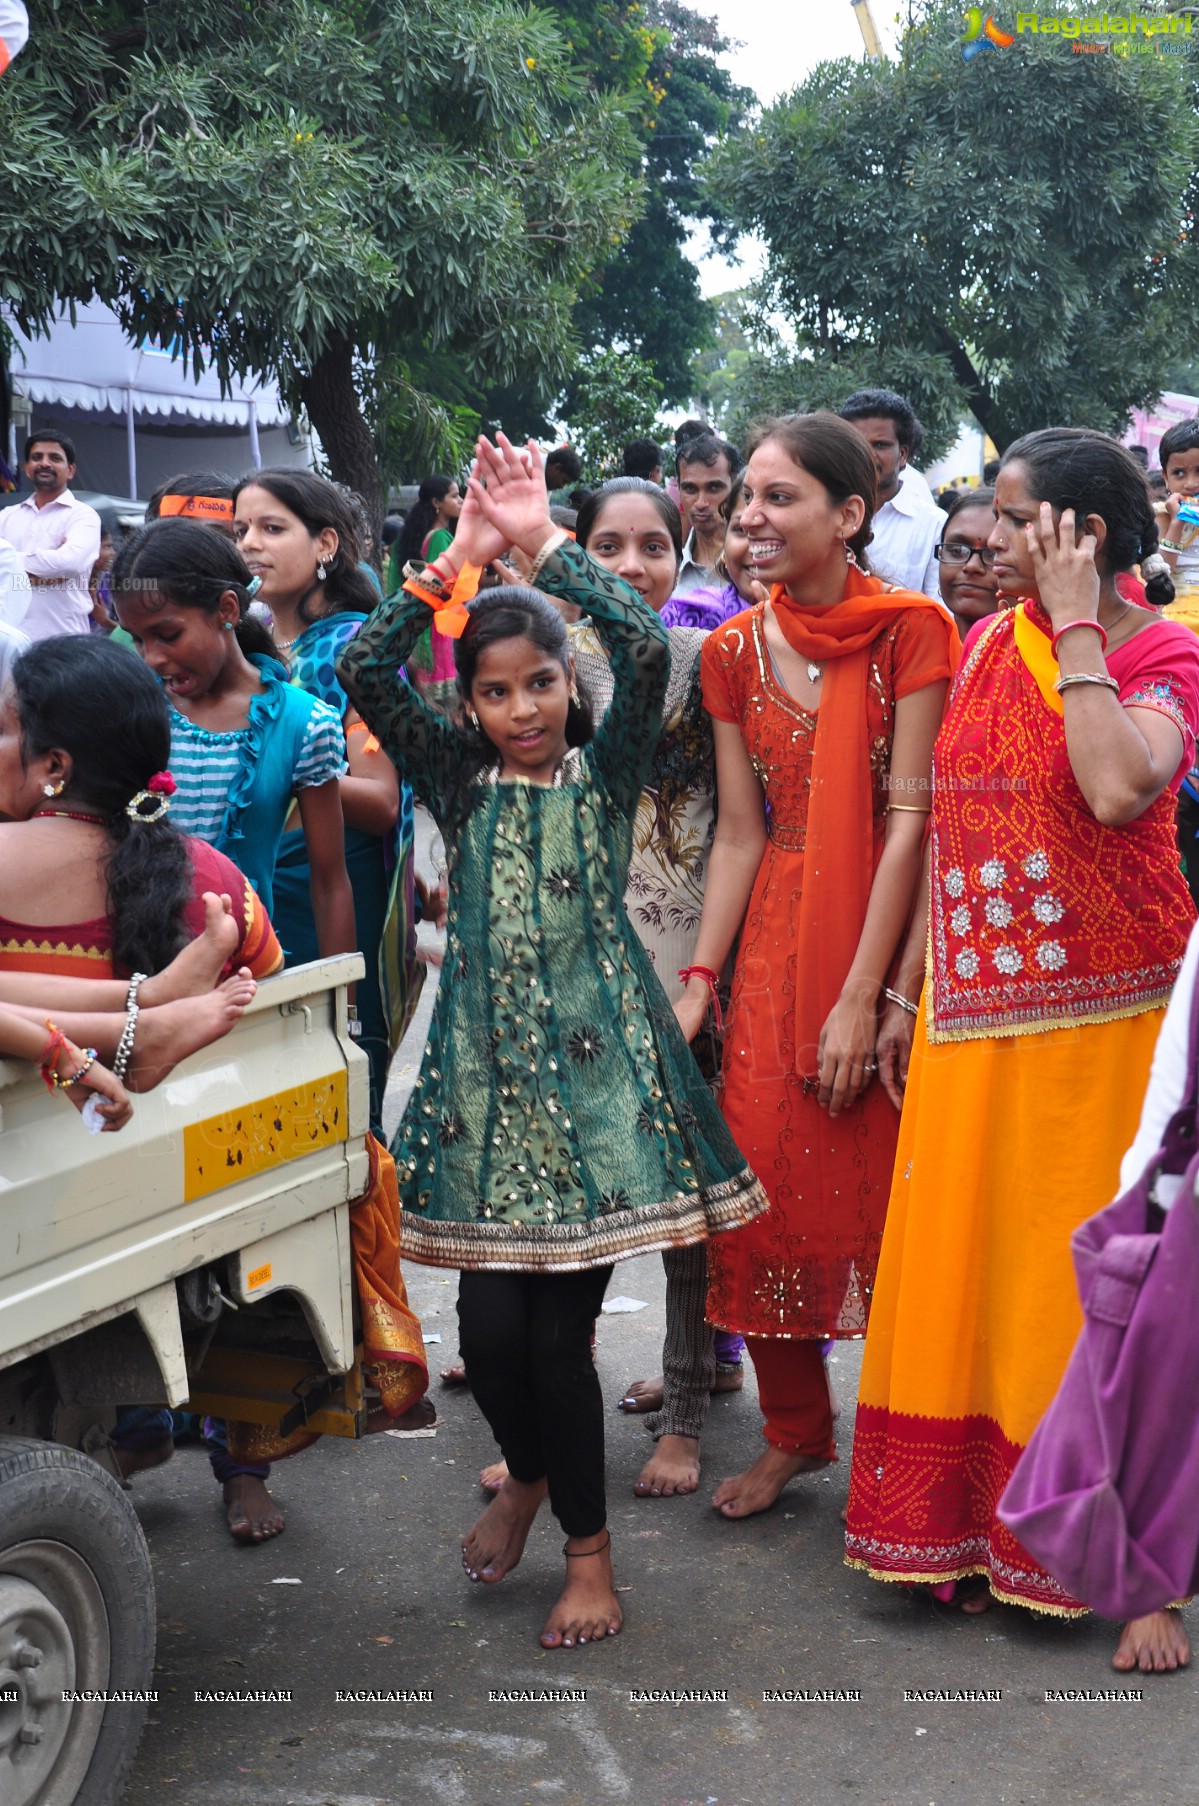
<point>982,403</point>
<point>332,403</point>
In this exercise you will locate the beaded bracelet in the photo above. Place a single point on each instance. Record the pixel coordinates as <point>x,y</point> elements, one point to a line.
<point>712,980</point>
<point>1093,625</point>
<point>89,1060</point>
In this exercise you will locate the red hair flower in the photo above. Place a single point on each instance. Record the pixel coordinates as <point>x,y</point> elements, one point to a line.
<point>162,784</point>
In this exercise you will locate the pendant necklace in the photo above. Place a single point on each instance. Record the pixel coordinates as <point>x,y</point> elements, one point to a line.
<point>815,672</point>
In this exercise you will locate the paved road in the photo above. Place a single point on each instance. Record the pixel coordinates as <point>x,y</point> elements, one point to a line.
<point>372,1538</point>
<point>711,1607</point>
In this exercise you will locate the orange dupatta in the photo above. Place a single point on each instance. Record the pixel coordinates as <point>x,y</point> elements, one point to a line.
<point>839,860</point>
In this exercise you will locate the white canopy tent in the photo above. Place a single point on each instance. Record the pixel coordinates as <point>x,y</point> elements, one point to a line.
<point>136,411</point>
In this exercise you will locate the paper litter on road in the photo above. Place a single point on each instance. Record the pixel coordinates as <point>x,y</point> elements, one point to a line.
<point>429,1430</point>
<point>433,1338</point>
<point>623,1304</point>
<point>286,1580</point>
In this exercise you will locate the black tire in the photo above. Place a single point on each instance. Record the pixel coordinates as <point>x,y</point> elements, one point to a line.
<point>77,1601</point>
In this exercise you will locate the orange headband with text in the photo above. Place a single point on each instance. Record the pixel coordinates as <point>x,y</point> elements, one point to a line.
<point>196,507</point>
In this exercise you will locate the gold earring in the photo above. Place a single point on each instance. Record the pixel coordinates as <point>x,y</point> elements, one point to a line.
<point>574,691</point>
<point>474,719</point>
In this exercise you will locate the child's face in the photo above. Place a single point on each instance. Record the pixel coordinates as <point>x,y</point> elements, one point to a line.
<point>1182,472</point>
<point>186,648</point>
<point>521,696</point>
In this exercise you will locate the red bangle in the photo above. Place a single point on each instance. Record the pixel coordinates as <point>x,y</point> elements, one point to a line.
<point>712,980</point>
<point>1069,624</point>
<point>54,1046</point>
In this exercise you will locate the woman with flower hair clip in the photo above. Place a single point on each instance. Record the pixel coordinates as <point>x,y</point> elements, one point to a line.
<point>244,741</point>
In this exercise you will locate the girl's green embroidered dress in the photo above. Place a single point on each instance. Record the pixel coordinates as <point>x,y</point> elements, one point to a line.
<point>559,1120</point>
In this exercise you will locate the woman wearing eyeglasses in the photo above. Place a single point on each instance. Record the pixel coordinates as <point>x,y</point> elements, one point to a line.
<point>968,586</point>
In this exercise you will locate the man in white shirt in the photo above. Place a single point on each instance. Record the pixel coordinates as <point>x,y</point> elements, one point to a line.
<point>57,539</point>
<point>707,468</point>
<point>907,522</point>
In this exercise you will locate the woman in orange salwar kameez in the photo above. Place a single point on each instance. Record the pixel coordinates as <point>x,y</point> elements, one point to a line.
<point>1059,919</point>
<point>826,701</point>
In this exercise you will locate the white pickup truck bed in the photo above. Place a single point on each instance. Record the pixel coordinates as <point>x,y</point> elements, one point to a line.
<point>238,1170</point>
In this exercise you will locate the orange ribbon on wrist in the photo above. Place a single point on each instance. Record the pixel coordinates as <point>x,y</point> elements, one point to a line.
<point>450,617</point>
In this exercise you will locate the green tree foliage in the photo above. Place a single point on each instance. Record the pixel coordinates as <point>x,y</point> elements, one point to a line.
<point>355,198</point>
<point>647,295</point>
<point>1010,237</point>
<point>616,398</point>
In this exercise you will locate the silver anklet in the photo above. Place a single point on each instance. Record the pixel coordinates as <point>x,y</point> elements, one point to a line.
<point>124,1053</point>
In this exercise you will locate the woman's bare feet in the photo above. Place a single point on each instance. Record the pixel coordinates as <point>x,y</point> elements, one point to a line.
<point>170,1032</point>
<point>1156,1644</point>
<point>588,1610</point>
<point>198,967</point>
<point>645,1396</point>
<point>492,1478</point>
<point>672,1468</point>
<point>253,1515</point>
<point>760,1485</point>
<point>642,1397</point>
<point>420,1416</point>
<point>454,1374</point>
<point>497,1541</point>
<point>139,1461</point>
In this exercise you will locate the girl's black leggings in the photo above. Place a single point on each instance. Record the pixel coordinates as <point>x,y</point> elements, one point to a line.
<point>525,1339</point>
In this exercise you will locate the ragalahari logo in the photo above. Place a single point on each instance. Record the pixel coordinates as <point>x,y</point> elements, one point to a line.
<point>982,34</point>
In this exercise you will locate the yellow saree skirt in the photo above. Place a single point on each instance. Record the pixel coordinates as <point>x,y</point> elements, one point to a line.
<point>1005,1146</point>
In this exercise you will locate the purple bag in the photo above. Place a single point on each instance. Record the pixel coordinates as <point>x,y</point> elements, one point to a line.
<point>1106,1495</point>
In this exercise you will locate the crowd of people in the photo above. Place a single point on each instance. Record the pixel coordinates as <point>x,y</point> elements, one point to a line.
<point>820,865</point>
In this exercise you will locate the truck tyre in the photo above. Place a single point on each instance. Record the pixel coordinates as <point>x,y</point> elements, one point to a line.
<point>76,1613</point>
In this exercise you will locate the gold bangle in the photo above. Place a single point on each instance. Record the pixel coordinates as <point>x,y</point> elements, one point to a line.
<point>558,537</point>
<point>910,808</point>
<point>1086,677</point>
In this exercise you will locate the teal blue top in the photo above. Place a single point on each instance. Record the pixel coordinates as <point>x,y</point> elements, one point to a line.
<point>235,789</point>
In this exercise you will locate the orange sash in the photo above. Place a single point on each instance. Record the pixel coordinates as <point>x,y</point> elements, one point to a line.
<point>839,862</point>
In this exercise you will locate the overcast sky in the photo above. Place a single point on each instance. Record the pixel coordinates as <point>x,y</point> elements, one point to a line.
<point>780,41</point>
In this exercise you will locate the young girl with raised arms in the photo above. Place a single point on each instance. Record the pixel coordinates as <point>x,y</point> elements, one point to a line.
<point>559,1123</point>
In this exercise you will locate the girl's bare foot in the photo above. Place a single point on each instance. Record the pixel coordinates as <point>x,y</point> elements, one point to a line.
<point>646,1396</point>
<point>642,1397</point>
<point>759,1487</point>
<point>672,1468</point>
<point>1156,1644</point>
<point>454,1374</point>
<point>492,1478</point>
<point>170,1032</point>
<point>198,967</point>
<point>496,1543</point>
<point>253,1515</point>
<point>588,1610</point>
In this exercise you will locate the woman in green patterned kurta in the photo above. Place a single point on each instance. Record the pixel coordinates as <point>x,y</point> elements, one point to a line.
<point>559,1122</point>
